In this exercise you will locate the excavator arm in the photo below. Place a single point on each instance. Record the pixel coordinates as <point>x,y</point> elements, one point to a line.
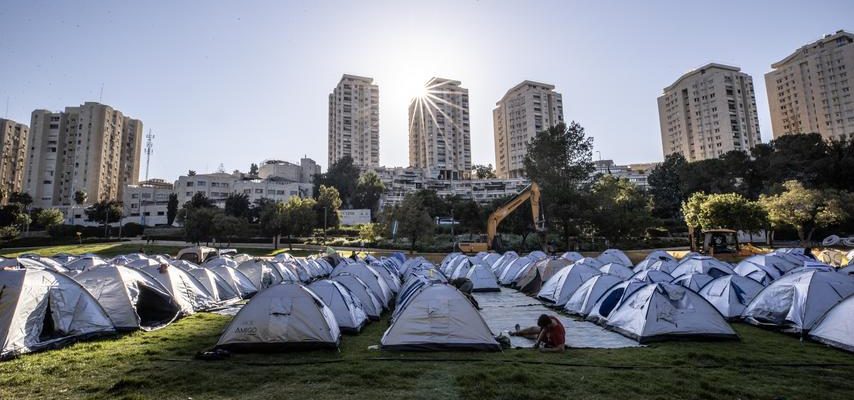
<point>531,193</point>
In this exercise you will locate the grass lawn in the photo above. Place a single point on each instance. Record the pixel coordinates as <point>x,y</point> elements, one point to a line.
<point>117,248</point>
<point>160,365</point>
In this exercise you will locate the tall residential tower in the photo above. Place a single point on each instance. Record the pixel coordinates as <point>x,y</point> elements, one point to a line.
<point>810,90</point>
<point>708,112</point>
<point>526,109</point>
<point>91,148</point>
<point>439,130</point>
<point>354,121</point>
<point>13,156</point>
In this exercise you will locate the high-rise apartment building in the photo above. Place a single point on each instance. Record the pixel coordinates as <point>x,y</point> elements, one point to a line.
<point>13,156</point>
<point>810,90</point>
<point>354,121</point>
<point>708,112</point>
<point>439,130</point>
<point>91,148</point>
<point>526,109</point>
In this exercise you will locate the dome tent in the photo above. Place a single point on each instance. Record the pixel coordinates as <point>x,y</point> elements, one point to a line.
<point>439,318</point>
<point>41,309</point>
<point>371,277</point>
<point>217,286</point>
<point>482,279</point>
<point>614,256</point>
<point>501,264</point>
<point>662,310</point>
<point>692,281</point>
<point>84,263</point>
<point>796,302</point>
<point>531,280</point>
<point>237,280</point>
<point>347,308</point>
<point>131,298</point>
<point>763,274</point>
<point>45,262</point>
<point>185,289</point>
<point>262,273</point>
<point>283,317</point>
<point>370,302</point>
<point>557,290</point>
<point>652,276</point>
<point>582,301</point>
<point>729,294</point>
<point>611,300</point>
<point>836,328</point>
<point>572,256</point>
<point>513,269</point>
<point>620,270</point>
<point>656,255</point>
<point>663,265</point>
<point>703,265</point>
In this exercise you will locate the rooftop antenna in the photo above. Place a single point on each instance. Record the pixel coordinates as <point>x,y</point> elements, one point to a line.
<point>221,168</point>
<point>101,94</point>
<point>7,108</point>
<point>149,148</point>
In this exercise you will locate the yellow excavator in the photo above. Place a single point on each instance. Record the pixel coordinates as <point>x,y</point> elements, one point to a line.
<point>493,241</point>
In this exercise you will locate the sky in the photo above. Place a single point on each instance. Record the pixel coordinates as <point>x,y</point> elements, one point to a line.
<point>231,83</point>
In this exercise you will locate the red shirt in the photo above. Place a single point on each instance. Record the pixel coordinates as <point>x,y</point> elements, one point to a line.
<point>555,334</point>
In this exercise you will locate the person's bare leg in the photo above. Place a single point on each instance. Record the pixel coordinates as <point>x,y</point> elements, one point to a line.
<point>530,333</point>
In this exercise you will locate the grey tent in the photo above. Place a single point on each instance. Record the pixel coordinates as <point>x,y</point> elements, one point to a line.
<point>40,309</point>
<point>238,281</point>
<point>370,302</point>
<point>797,301</point>
<point>263,274</point>
<point>692,281</point>
<point>438,318</point>
<point>346,307</point>
<point>217,286</point>
<point>502,263</point>
<point>657,255</point>
<point>703,265</point>
<point>482,279</point>
<point>572,256</point>
<point>45,262</point>
<point>131,298</point>
<point>512,270</point>
<point>84,263</point>
<point>391,278</point>
<point>836,328</point>
<point>660,311</point>
<point>283,317</point>
<point>763,274</point>
<point>620,270</point>
<point>557,290</point>
<point>187,291</point>
<point>29,262</point>
<point>288,270</point>
<point>582,301</point>
<point>729,294</point>
<point>220,260</point>
<point>615,256</point>
<point>611,300</point>
<point>652,276</point>
<point>662,264</point>
<point>371,277</point>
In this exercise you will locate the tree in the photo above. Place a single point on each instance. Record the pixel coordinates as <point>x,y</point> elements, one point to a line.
<point>171,209</point>
<point>370,232</point>
<point>301,215</point>
<point>620,210</point>
<point>199,200</point>
<point>804,209</point>
<point>691,212</point>
<point>80,197</point>
<point>731,211</point>
<point>24,199</point>
<point>23,220</point>
<point>327,205</point>
<point>343,176</point>
<point>50,217</point>
<point>253,169</point>
<point>199,223</point>
<point>467,213</point>
<point>237,205</point>
<point>413,220</point>
<point>105,211</point>
<point>483,171</point>
<point>228,227</point>
<point>271,218</point>
<point>664,186</point>
<point>560,160</point>
<point>369,190</point>
<point>433,204</point>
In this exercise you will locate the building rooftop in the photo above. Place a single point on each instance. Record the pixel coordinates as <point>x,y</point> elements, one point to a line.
<point>702,70</point>
<point>523,84</point>
<point>828,39</point>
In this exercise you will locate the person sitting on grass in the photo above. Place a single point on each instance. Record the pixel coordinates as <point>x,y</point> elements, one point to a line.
<point>549,333</point>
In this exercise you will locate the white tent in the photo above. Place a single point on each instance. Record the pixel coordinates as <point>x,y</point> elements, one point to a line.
<point>84,263</point>
<point>371,277</point>
<point>45,262</point>
<point>582,301</point>
<point>238,281</point>
<point>262,273</point>
<point>346,307</point>
<point>537,255</point>
<point>143,262</point>
<point>795,302</point>
<point>614,256</point>
<point>370,302</point>
<point>503,262</point>
<point>512,270</point>
<point>438,318</point>
<point>288,270</point>
<point>617,269</point>
<point>187,291</point>
<point>216,285</point>
<point>490,259</point>
<point>652,276</point>
<point>692,281</point>
<point>729,294</point>
<point>837,327</point>
<point>220,260</point>
<point>663,310</point>
<point>131,298</point>
<point>40,309</point>
<point>27,262</point>
<point>283,317</point>
<point>572,256</point>
<point>703,265</point>
<point>661,264</point>
<point>611,299</point>
<point>557,290</point>
<point>763,274</point>
<point>391,278</point>
<point>460,269</point>
<point>482,279</point>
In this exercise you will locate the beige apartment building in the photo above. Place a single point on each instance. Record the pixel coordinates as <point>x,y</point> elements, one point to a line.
<point>708,112</point>
<point>810,90</point>
<point>91,148</point>
<point>526,109</point>
<point>354,121</point>
<point>13,156</point>
<point>439,130</point>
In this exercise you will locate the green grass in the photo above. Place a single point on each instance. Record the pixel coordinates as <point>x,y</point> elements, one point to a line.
<point>160,365</point>
<point>114,249</point>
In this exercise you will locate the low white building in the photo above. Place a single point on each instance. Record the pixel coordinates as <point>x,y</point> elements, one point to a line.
<point>635,173</point>
<point>147,203</point>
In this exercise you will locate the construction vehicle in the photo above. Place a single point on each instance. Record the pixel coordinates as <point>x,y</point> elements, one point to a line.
<point>493,241</point>
<point>720,242</point>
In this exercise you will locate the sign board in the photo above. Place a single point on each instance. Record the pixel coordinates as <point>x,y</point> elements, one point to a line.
<point>354,217</point>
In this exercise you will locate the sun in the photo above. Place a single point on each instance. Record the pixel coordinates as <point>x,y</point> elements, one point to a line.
<point>417,90</point>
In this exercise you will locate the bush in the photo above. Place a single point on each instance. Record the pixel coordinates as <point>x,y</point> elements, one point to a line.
<point>132,229</point>
<point>9,232</point>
